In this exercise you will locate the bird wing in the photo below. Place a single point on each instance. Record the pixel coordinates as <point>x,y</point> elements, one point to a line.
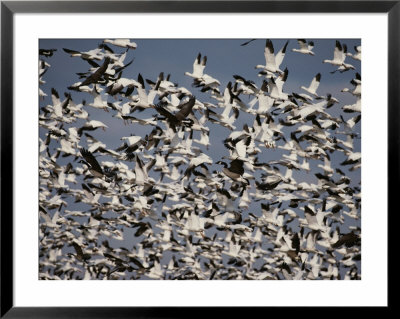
<point>281,54</point>
<point>269,54</point>
<point>237,166</point>
<point>198,66</point>
<point>165,113</point>
<point>247,42</point>
<point>88,156</point>
<point>315,82</point>
<point>338,52</point>
<point>185,109</point>
<point>302,43</point>
<point>71,51</point>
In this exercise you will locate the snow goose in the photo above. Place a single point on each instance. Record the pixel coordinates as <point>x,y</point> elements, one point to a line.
<point>91,126</point>
<point>47,52</point>
<point>97,76</point>
<point>272,62</point>
<point>350,108</point>
<point>123,43</point>
<point>58,108</point>
<point>95,54</point>
<point>265,102</point>
<point>314,221</point>
<point>92,163</point>
<point>276,87</point>
<point>198,67</point>
<point>338,55</point>
<point>98,102</point>
<point>235,170</point>
<point>179,117</point>
<point>357,86</point>
<point>304,47</point>
<point>344,66</point>
<point>312,89</point>
<point>357,54</point>
<point>144,100</point>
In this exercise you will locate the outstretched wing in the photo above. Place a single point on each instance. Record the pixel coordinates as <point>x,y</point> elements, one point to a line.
<point>237,166</point>
<point>185,109</point>
<point>88,156</point>
<point>170,117</point>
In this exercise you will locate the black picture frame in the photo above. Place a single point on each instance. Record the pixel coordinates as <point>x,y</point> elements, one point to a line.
<point>9,8</point>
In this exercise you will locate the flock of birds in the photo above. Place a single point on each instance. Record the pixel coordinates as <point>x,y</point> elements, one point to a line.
<point>190,215</point>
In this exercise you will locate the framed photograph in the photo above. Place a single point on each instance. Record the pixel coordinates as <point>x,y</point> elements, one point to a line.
<point>168,155</point>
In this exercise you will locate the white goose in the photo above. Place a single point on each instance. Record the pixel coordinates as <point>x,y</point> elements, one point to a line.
<point>338,55</point>
<point>272,62</point>
<point>304,47</point>
<point>357,55</point>
<point>98,102</point>
<point>123,43</point>
<point>198,67</point>
<point>312,89</point>
<point>350,108</point>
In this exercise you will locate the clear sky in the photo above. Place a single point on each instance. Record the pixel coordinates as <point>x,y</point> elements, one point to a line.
<point>225,58</point>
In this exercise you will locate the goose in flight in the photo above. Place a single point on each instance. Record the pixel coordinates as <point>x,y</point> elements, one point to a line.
<point>304,47</point>
<point>357,54</point>
<point>198,67</point>
<point>312,89</point>
<point>349,240</point>
<point>345,66</point>
<point>144,100</point>
<point>265,102</point>
<point>58,108</point>
<point>179,117</point>
<point>314,221</point>
<point>92,163</point>
<point>97,76</point>
<point>123,43</point>
<point>235,170</point>
<point>357,86</point>
<point>350,108</point>
<point>98,102</point>
<point>47,52</point>
<point>95,54</point>
<point>91,126</point>
<point>338,55</point>
<point>272,61</point>
<point>276,86</point>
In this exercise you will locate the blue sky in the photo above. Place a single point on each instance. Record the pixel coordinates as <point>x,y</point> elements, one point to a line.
<point>225,58</point>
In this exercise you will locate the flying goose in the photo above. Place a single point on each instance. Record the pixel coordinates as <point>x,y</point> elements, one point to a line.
<point>179,117</point>
<point>144,100</point>
<point>304,47</point>
<point>350,108</point>
<point>47,52</point>
<point>357,86</point>
<point>91,126</point>
<point>123,43</point>
<point>312,89</point>
<point>97,76</point>
<point>198,67</point>
<point>272,62</point>
<point>95,54</point>
<point>235,170</point>
<point>357,55</point>
<point>338,55</point>
<point>92,163</point>
<point>345,66</point>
